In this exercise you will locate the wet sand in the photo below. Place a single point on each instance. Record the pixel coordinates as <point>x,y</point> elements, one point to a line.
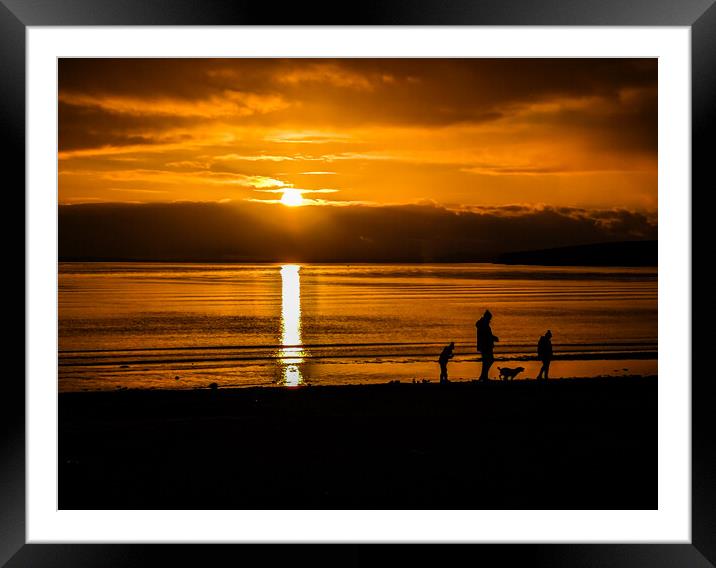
<point>564,444</point>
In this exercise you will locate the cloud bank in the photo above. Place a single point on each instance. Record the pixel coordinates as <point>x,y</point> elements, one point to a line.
<point>248,232</point>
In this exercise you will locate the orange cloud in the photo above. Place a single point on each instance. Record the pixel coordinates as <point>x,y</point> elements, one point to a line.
<point>228,103</point>
<point>327,73</point>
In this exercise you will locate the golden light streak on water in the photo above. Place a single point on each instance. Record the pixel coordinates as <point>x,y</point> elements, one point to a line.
<point>291,354</point>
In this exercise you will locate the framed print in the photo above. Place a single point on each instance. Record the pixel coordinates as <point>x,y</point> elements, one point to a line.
<point>420,276</point>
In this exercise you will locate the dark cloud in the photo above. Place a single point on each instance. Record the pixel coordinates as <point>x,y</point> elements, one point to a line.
<point>359,92</point>
<point>82,127</point>
<point>628,122</point>
<point>260,232</point>
<point>463,81</point>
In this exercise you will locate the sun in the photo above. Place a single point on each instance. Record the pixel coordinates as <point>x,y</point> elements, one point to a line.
<point>291,197</point>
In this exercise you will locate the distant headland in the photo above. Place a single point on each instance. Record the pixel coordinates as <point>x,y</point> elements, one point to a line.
<point>625,253</point>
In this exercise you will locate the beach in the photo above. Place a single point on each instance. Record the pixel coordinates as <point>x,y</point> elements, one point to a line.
<point>561,444</point>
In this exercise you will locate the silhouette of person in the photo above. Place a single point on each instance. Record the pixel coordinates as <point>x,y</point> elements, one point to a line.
<point>485,343</point>
<point>544,354</point>
<point>445,356</point>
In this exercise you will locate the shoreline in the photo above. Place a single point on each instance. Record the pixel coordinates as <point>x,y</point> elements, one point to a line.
<point>395,382</point>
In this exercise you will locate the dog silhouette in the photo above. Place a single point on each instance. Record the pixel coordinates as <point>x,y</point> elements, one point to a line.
<point>507,373</point>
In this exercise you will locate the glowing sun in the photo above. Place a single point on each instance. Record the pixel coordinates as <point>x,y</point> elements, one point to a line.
<point>291,197</point>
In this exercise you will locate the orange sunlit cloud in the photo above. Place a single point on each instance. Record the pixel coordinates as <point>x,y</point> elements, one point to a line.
<point>460,133</point>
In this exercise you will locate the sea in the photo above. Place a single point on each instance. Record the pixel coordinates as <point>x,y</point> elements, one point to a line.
<point>186,326</point>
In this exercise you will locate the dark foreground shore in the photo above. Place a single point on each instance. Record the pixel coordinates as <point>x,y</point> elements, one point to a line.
<point>566,444</point>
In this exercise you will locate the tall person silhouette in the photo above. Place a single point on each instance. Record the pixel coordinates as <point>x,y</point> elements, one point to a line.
<point>544,354</point>
<point>485,343</point>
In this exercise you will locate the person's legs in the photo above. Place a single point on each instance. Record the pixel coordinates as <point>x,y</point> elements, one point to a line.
<point>546,369</point>
<point>541,371</point>
<point>487,361</point>
<point>443,373</point>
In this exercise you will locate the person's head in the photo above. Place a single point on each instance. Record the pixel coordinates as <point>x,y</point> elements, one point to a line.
<point>452,345</point>
<point>487,315</point>
<point>549,333</point>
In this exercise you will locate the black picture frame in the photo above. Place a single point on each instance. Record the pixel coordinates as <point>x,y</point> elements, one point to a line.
<point>698,15</point>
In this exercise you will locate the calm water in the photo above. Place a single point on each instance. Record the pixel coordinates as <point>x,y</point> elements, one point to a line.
<point>187,325</point>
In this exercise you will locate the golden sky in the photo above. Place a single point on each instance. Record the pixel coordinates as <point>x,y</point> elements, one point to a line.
<point>460,133</point>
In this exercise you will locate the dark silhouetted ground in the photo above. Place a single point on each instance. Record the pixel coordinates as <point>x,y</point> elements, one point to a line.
<point>566,444</point>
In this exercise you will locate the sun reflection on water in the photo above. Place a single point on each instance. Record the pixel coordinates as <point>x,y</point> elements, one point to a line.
<point>291,352</point>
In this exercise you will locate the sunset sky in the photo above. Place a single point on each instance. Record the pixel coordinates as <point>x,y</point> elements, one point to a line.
<point>498,137</point>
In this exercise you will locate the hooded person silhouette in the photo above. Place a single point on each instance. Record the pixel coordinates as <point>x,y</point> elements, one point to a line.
<point>544,354</point>
<point>486,343</point>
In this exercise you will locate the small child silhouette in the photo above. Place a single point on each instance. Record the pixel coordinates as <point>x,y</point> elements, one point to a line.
<point>445,356</point>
